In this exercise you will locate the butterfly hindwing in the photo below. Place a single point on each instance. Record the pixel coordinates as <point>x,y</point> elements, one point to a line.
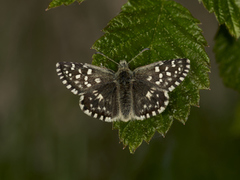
<point>148,102</point>
<point>101,102</point>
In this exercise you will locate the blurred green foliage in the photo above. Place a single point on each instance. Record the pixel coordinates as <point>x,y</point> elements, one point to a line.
<point>228,57</point>
<point>56,3</point>
<point>227,13</point>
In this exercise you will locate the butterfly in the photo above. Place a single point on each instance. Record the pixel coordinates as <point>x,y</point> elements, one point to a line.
<point>123,95</point>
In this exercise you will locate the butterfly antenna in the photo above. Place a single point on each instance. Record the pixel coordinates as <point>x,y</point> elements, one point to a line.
<point>138,54</point>
<point>107,57</point>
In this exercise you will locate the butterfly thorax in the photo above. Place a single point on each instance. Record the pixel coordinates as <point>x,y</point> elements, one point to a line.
<point>124,74</point>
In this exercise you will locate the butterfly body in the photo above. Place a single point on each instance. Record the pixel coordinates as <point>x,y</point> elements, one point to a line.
<point>123,95</point>
<point>124,85</point>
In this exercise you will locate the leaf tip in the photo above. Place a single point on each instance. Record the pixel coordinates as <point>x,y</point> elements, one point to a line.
<point>132,151</point>
<point>183,122</point>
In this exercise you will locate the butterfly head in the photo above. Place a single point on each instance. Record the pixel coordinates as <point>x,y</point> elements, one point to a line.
<point>123,64</point>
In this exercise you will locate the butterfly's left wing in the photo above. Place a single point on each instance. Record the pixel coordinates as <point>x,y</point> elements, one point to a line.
<point>80,77</point>
<point>94,85</point>
<point>165,74</point>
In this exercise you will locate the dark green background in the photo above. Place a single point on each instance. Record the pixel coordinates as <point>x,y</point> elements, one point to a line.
<point>44,134</point>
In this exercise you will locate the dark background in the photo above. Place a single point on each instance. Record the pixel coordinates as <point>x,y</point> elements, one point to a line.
<point>44,134</point>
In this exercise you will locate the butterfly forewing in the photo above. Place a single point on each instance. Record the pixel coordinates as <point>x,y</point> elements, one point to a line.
<point>78,77</point>
<point>165,74</point>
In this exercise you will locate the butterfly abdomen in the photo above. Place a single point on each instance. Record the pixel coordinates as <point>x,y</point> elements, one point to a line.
<point>125,97</point>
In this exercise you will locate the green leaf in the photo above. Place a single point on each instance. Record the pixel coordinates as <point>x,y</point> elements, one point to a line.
<point>227,12</point>
<point>227,50</point>
<point>56,3</point>
<point>170,31</point>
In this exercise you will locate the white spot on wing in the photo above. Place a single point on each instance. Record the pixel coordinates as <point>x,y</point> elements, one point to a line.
<point>69,86</point>
<point>97,80</point>
<point>78,76</point>
<point>171,88</point>
<point>161,109</point>
<point>149,95</point>
<point>88,112</point>
<point>166,94</point>
<point>108,119</point>
<point>154,113</point>
<point>89,71</point>
<point>100,97</point>
<point>177,83</point>
<point>74,91</point>
<point>81,106</point>
<point>149,78</point>
<point>166,102</point>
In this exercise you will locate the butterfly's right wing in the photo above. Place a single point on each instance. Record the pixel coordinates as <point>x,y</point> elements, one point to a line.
<point>94,85</point>
<point>148,100</point>
<point>165,74</point>
<point>153,82</point>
